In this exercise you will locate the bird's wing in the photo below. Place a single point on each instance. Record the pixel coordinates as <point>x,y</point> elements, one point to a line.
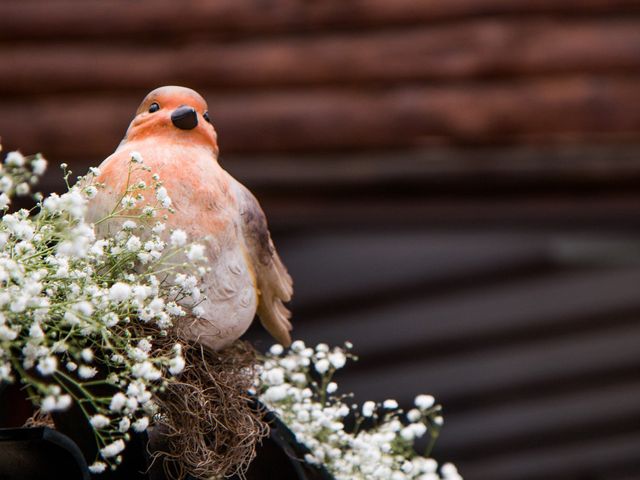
<point>273,282</point>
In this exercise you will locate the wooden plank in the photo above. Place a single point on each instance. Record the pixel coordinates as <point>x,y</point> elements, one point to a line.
<point>551,212</point>
<point>463,319</point>
<point>522,167</point>
<point>336,268</point>
<point>472,434</point>
<point>590,458</point>
<point>555,110</point>
<point>473,49</point>
<point>463,171</point>
<point>162,20</point>
<point>522,366</point>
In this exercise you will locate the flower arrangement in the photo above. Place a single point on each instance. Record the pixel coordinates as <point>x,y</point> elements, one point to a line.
<point>73,306</point>
<point>298,386</point>
<point>86,323</point>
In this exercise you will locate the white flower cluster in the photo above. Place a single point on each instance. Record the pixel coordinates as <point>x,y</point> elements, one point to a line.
<point>298,386</point>
<point>74,308</point>
<point>18,174</point>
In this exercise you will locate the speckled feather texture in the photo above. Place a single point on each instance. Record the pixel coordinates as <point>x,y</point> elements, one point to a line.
<point>247,275</point>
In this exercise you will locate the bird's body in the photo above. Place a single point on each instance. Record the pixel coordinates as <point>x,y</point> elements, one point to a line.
<point>246,274</point>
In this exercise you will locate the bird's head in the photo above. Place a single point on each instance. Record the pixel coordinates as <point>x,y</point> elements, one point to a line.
<point>177,114</point>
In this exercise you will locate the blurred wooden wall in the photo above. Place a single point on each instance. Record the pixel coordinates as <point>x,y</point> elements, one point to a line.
<point>454,186</point>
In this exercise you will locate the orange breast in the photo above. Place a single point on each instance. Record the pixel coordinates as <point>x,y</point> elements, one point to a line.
<point>197,185</point>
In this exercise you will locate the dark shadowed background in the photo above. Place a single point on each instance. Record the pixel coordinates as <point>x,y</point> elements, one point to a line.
<point>452,184</point>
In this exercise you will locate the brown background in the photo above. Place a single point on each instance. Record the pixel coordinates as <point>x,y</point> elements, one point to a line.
<point>453,185</point>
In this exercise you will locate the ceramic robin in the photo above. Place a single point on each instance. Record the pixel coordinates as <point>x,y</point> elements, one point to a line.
<point>173,132</point>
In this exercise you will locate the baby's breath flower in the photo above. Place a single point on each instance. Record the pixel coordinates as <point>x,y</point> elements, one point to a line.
<point>99,421</point>
<point>162,194</point>
<point>195,253</point>
<point>83,307</point>
<point>414,415</point>
<point>5,373</point>
<point>5,201</point>
<point>276,349</point>
<point>368,408</point>
<point>35,332</point>
<point>133,244</point>
<point>87,355</point>
<point>14,159</point>
<point>90,191</point>
<point>47,365</point>
<point>149,211</point>
<point>144,345</point>
<point>124,424</point>
<point>51,403</point>
<point>337,359</point>
<point>322,366</point>
<point>128,202</point>
<point>7,333</point>
<point>274,376</point>
<point>112,449</point>
<point>176,365</point>
<point>276,393</point>
<point>424,402</point>
<point>158,228</point>
<point>48,404</point>
<point>136,157</point>
<point>38,165</point>
<point>5,184</point>
<point>141,424</point>
<point>22,189</point>
<point>63,402</point>
<point>119,292</point>
<point>390,404</point>
<point>178,238</point>
<point>129,225</point>
<point>86,371</point>
<point>97,467</point>
<point>118,402</point>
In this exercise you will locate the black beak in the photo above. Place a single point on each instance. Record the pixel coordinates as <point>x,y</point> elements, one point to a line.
<point>185,118</point>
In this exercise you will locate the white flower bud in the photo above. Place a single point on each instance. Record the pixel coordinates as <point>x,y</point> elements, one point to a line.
<point>424,402</point>
<point>99,421</point>
<point>141,424</point>
<point>117,402</point>
<point>178,238</point>
<point>196,253</point>
<point>322,366</point>
<point>47,365</point>
<point>390,404</point>
<point>87,355</point>
<point>97,467</point>
<point>112,449</point>
<point>119,292</point>
<point>368,408</point>
<point>276,349</point>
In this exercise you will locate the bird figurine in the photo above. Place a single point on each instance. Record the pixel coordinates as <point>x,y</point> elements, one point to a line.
<point>173,132</point>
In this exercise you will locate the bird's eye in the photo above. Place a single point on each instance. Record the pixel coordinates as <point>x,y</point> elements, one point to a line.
<point>205,115</point>
<point>154,107</point>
